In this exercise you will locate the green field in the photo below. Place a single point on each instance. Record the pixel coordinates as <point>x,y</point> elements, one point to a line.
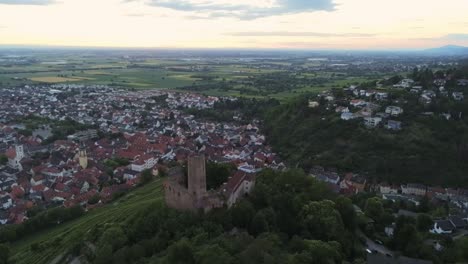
<point>61,238</point>
<point>229,77</point>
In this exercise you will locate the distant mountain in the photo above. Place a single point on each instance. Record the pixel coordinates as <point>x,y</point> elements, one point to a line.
<point>448,50</point>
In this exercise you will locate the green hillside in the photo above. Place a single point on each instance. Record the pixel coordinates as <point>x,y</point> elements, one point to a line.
<point>288,218</point>
<point>59,240</point>
<point>429,149</point>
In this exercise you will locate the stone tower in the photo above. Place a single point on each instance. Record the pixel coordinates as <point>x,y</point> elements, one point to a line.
<point>83,157</point>
<point>197,176</point>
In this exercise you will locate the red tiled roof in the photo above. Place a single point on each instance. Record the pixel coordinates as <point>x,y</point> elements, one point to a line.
<point>11,153</point>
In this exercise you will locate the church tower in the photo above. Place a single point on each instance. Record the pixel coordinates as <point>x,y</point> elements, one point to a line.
<point>197,176</point>
<point>83,157</point>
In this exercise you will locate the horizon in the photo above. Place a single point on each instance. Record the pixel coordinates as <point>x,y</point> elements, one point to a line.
<point>322,25</point>
<point>247,49</point>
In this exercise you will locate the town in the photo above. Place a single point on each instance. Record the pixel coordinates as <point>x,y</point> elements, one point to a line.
<point>124,134</point>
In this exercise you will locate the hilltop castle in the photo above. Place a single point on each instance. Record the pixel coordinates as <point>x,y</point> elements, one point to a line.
<point>191,194</point>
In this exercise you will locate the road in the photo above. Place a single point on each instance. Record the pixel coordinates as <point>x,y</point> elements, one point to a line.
<point>374,246</point>
<point>460,234</point>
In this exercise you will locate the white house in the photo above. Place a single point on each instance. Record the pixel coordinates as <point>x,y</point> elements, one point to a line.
<point>314,104</point>
<point>144,163</point>
<point>15,156</point>
<point>347,116</point>
<point>387,189</point>
<point>6,202</point>
<point>413,189</point>
<point>394,110</point>
<point>238,185</point>
<point>372,121</point>
<point>458,96</point>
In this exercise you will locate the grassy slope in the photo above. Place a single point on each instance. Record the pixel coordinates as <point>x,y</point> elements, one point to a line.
<point>70,232</point>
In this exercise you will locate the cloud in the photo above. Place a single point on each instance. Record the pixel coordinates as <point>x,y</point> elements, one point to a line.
<point>26,2</point>
<point>212,8</point>
<point>137,14</point>
<point>297,34</point>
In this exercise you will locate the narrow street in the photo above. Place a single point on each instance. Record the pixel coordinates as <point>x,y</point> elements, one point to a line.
<point>374,247</point>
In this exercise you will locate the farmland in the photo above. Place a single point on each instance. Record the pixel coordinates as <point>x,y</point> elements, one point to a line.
<point>277,77</point>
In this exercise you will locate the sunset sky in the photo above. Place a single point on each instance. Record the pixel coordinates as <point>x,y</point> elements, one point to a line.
<point>302,24</point>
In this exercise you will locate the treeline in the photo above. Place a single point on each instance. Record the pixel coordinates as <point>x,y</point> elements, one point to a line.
<point>289,218</point>
<point>225,110</point>
<point>60,129</point>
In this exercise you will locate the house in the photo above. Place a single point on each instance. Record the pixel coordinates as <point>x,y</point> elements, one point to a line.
<point>342,109</point>
<point>390,230</point>
<point>381,96</point>
<point>458,96</point>
<point>326,176</point>
<point>84,135</point>
<point>347,116</point>
<point>129,174</point>
<point>372,121</point>
<point>238,185</point>
<point>462,82</point>
<point>358,103</point>
<point>414,189</point>
<point>394,110</point>
<point>353,184</point>
<point>450,225</point>
<point>15,155</point>
<point>144,162</point>
<point>387,189</point>
<point>6,202</point>
<point>393,125</point>
<point>458,222</point>
<point>313,104</point>
<point>443,227</point>
<point>3,217</point>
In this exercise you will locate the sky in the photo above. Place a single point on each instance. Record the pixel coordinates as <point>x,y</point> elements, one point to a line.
<point>274,24</point>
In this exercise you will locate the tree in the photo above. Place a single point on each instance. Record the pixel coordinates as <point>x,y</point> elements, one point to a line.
<point>374,208</point>
<point>406,238</point>
<point>4,253</point>
<point>146,177</point>
<point>424,222</point>
<point>104,255</point>
<point>217,174</point>
<point>181,252</point>
<point>322,221</point>
<point>113,236</point>
<point>3,159</point>
<point>319,252</point>
<point>213,254</point>
<point>461,246</point>
<point>424,205</point>
<point>346,209</point>
<point>259,224</point>
<point>264,249</point>
<point>242,214</point>
<point>94,199</point>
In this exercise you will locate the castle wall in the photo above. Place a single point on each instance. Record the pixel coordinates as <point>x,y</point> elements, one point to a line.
<point>178,197</point>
